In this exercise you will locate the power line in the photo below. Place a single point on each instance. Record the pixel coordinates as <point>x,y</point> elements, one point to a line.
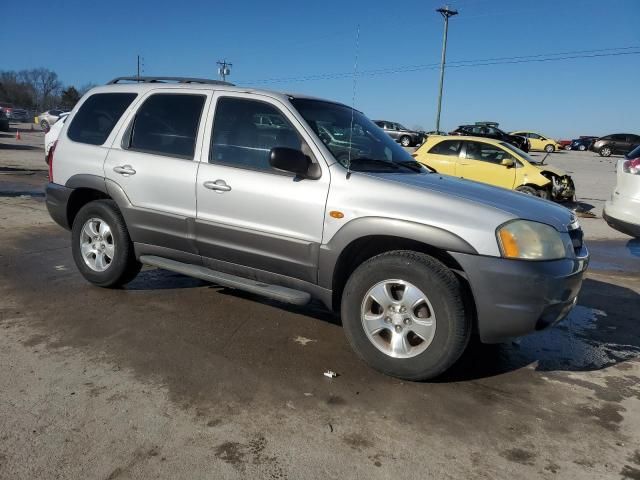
<point>548,57</point>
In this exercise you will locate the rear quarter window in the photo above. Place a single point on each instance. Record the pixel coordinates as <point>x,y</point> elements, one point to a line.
<point>97,116</point>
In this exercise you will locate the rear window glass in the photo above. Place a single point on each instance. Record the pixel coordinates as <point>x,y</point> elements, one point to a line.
<point>97,116</point>
<point>167,124</point>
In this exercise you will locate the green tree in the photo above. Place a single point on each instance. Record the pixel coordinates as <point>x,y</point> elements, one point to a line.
<point>70,97</point>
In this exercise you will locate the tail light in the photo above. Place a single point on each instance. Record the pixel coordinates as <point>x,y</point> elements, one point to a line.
<point>632,166</point>
<point>50,159</point>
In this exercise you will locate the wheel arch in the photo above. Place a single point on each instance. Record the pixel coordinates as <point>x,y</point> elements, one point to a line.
<point>364,238</point>
<point>87,188</point>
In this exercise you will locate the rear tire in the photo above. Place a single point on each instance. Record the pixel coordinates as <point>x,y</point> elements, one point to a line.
<point>413,337</point>
<point>405,141</point>
<point>101,246</point>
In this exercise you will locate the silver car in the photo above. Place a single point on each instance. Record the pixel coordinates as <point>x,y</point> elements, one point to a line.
<point>189,177</point>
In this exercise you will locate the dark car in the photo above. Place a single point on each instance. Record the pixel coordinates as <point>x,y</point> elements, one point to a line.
<point>582,143</point>
<point>489,131</point>
<point>618,143</point>
<point>402,135</point>
<point>4,121</point>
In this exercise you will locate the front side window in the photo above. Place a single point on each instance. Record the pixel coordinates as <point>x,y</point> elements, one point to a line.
<point>167,124</point>
<point>485,152</point>
<point>353,139</point>
<point>448,147</point>
<point>245,131</point>
<point>97,116</point>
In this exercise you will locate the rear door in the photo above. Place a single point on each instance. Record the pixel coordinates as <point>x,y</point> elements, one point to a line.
<point>482,162</point>
<point>155,166</point>
<point>251,216</point>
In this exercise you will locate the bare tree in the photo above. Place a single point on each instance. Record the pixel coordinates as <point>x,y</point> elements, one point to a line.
<point>45,83</point>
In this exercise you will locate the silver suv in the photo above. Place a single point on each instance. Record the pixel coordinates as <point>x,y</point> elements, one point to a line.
<point>186,175</point>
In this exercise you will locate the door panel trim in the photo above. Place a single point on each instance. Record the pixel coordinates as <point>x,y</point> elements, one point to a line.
<point>275,253</point>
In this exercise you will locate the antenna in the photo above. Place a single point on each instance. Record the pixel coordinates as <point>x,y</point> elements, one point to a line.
<point>353,98</point>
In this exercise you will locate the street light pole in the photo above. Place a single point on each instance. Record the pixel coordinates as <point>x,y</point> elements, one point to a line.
<point>446,13</point>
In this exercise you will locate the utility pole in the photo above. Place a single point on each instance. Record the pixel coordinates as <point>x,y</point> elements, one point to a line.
<point>446,13</point>
<point>224,69</point>
<point>140,67</point>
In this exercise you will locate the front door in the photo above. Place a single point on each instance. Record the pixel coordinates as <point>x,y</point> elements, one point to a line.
<point>156,166</point>
<point>250,215</point>
<point>482,162</point>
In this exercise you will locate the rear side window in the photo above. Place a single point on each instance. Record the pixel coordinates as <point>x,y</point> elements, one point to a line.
<point>448,147</point>
<point>97,116</point>
<point>240,139</point>
<point>167,124</point>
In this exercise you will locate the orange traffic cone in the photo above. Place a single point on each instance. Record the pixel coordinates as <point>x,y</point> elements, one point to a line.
<point>17,134</point>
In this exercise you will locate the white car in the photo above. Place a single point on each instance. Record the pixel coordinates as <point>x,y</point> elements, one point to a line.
<point>622,212</point>
<point>52,135</point>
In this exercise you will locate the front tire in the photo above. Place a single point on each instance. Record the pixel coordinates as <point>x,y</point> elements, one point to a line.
<point>606,151</point>
<point>403,314</point>
<point>44,125</point>
<point>101,246</point>
<point>405,141</point>
<point>582,148</point>
<point>527,190</point>
<point>549,148</point>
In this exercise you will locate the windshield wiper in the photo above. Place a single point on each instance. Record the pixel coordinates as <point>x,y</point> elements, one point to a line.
<point>375,161</point>
<point>412,165</point>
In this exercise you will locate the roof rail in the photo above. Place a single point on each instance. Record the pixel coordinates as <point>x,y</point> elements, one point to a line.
<point>167,79</point>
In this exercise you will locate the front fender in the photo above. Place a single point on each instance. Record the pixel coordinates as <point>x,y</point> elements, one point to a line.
<point>381,226</point>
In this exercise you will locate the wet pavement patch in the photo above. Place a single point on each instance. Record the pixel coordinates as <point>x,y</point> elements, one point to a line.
<point>519,455</point>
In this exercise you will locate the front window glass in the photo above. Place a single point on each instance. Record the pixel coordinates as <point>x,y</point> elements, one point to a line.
<point>352,137</point>
<point>448,147</point>
<point>485,152</point>
<point>519,153</point>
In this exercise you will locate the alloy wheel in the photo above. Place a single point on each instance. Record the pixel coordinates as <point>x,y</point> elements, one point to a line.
<point>97,245</point>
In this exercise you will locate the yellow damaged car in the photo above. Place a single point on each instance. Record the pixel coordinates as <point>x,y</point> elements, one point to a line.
<point>539,142</point>
<point>497,163</point>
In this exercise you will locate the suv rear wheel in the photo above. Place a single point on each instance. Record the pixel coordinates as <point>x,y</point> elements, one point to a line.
<point>403,313</point>
<point>102,249</point>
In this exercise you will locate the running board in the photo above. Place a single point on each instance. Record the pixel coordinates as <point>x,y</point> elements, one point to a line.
<point>276,292</point>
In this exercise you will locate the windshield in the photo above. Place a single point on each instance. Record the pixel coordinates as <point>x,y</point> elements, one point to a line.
<point>520,153</point>
<point>367,146</point>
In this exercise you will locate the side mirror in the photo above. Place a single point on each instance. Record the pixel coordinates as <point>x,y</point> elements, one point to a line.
<point>293,161</point>
<point>508,162</point>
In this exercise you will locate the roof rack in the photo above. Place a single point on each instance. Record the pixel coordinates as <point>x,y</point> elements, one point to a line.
<point>166,80</point>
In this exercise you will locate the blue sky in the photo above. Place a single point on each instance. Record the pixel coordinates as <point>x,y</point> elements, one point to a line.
<point>95,41</point>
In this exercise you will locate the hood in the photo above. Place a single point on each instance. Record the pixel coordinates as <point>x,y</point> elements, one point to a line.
<point>513,204</point>
<point>550,168</point>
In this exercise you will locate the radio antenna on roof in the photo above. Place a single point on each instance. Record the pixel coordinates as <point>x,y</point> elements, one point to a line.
<point>353,98</point>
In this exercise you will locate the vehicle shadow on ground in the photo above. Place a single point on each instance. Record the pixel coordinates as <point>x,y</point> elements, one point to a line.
<point>600,332</point>
<point>8,146</point>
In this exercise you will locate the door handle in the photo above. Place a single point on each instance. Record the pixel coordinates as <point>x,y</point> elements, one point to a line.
<point>124,170</point>
<point>219,186</point>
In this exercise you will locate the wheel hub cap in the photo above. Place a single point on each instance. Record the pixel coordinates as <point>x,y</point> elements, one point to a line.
<point>97,245</point>
<point>398,318</point>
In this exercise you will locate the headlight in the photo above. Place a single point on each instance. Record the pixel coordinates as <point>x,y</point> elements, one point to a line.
<point>528,240</point>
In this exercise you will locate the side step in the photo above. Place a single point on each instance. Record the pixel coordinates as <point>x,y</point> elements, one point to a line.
<point>276,292</point>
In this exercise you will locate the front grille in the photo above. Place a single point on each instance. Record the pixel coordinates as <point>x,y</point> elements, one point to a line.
<point>576,234</point>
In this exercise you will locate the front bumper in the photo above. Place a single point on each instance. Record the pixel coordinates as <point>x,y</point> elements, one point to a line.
<point>57,199</point>
<point>517,297</point>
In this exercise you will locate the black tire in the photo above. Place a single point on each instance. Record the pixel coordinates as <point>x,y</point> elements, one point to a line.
<point>44,125</point>
<point>123,267</point>
<point>605,151</point>
<point>582,148</point>
<point>453,326</point>
<point>528,190</point>
<point>405,141</point>
<point>549,148</point>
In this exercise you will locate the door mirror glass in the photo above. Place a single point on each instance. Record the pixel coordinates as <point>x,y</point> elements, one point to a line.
<point>293,161</point>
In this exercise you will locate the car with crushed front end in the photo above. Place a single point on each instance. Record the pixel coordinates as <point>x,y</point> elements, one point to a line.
<point>178,174</point>
<point>496,163</point>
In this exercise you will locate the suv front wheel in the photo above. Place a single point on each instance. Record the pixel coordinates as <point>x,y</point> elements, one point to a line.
<point>101,247</point>
<point>403,313</point>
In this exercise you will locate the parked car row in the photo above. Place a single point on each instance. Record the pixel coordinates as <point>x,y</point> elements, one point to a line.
<point>251,189</point>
